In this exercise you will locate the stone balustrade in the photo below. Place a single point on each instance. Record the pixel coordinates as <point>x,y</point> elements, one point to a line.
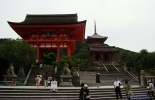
<point>144,79</point>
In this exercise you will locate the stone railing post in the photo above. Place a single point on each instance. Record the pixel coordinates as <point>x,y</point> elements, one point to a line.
<point>142,74</point>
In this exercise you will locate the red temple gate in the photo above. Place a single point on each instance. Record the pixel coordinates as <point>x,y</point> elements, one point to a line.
<point>51,33</point>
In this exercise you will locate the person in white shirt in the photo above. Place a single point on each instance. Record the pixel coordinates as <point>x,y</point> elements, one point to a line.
<point>151,88</point>
<point>117,88</point>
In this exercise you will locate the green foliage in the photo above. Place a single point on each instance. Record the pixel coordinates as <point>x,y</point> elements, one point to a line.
<point>49,58</point>
<point>149,72</point>
<point>80,58</point>
<point>80,47</point>
<point>17,52</point>
<point>136,61</point>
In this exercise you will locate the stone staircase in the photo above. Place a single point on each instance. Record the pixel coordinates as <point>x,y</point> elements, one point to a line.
<point>107,78</point>
<point>88,78</point>
<point>46,68</point>
<point>105,92</point>
<point>68,93</point>
<point>110,67</point>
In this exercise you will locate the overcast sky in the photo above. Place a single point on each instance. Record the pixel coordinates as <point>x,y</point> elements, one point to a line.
<point>128,24</point>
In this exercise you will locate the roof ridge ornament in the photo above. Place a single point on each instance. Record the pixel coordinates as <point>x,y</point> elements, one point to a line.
<point>95,27</point>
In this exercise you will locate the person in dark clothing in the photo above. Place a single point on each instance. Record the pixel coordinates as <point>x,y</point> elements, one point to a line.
<point>46,80</point>
<point>81,92</point>
<point>86,92</point>
<point>49,80</point>
<point>98,79</point>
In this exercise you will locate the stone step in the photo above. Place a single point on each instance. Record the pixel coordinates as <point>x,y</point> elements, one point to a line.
<point>110,67</point>
<point>70,93</point>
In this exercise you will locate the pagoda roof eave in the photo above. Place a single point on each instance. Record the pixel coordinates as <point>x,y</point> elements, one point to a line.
<point>105,49</point>
<point>16,23</point>
<point>15,26</point>
<point>97,37</point>
<point>102,46</point>
<point>103,39</point>
<point>48,19</point>
<point>52,15</point>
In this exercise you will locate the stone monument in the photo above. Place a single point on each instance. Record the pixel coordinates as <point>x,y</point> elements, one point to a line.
<point>10,74</point>
<point>66,77</point>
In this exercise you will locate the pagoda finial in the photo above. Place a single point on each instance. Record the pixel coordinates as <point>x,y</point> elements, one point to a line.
<point>95,27</point>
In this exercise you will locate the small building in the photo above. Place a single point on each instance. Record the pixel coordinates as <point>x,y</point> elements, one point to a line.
<point>99,51</point>
<point>51,33</point>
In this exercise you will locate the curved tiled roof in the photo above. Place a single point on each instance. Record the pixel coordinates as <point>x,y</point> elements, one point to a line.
<point>97,36</point>
<point>49,19</point>
<point>103,48</point>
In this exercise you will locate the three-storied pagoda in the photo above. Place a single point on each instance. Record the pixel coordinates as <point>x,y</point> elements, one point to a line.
<point>99,51</point>
<point>51,33</point>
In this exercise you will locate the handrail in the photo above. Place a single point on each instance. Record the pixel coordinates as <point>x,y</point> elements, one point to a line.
<point>25,82</point>
<point>116,68</point>
<point>136,78</point>
<point>149,76</point>
<point>134,75</point>
<point>105,67</point>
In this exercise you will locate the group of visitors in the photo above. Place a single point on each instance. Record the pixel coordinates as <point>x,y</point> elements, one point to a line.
<point>84,91</point>
<point>128,89</point>
<point>117,85</point>
<point>46,78</point>
<point>126,86</point>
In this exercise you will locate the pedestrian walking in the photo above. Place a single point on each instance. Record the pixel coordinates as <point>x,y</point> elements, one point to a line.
<point>117,88</point>
<point>151,88</point>
<point>81,92</point>
<point>98,79</point>
<point>128,90</point>
<point>46,80</point>
<point>49,80</point>
<point>38,79</point>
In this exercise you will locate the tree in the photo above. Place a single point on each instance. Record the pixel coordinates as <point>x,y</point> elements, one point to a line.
<point>49,58</point>
<point>80,58</point>
<point>143,60</point>
<point>18,52</point>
